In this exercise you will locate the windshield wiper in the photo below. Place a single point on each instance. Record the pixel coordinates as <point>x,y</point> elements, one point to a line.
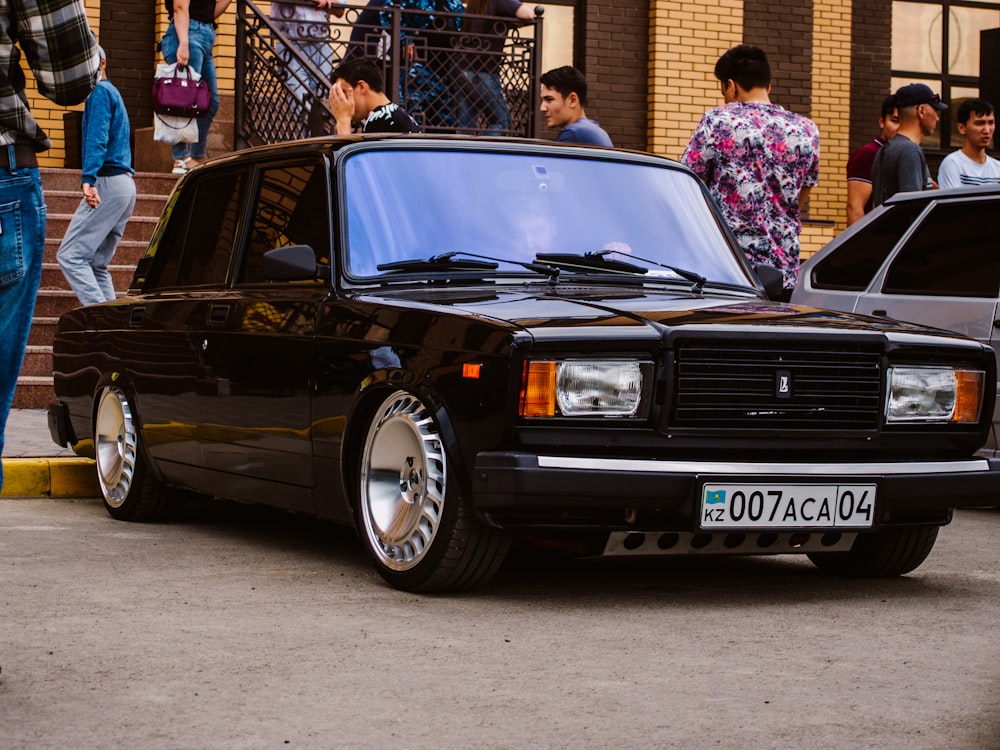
<point>589,262</point>
<point>697,279</point>
<point>445,261</point>
<point>469,262</point>
<point>597,260</point>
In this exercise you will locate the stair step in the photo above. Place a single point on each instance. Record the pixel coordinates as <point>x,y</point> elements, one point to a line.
<point>53,278</point>
<point>62,196</point>
<point>138,228</point>
<point>67,201</point>
<point>129,252</point>
<point>33,392</point>
<point>43,331</point>
<point>37,361</point>
<point>51,303</point>
<point>68,180</point>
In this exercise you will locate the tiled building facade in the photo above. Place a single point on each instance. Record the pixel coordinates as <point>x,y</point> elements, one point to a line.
<point>649,64</point>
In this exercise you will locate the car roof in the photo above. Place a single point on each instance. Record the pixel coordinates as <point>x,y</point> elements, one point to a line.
<point>333,143</point>
<point>959,192</point>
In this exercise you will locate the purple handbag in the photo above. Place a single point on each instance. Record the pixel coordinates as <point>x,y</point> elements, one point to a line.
<point>180,94</point>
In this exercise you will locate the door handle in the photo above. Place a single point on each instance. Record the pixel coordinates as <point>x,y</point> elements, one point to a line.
<point>879,313</point>
<point>218,315</point>
<point>135,316</point>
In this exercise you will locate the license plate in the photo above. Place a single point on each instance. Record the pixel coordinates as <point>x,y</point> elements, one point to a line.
<point>787,506</point>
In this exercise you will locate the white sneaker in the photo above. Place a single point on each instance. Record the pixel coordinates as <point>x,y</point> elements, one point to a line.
<point>180,167</point>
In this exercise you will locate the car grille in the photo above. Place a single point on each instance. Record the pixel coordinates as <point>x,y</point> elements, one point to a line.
<point>739,385</point>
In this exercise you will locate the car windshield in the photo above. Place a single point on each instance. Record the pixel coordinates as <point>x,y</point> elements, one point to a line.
<point>445,206</point>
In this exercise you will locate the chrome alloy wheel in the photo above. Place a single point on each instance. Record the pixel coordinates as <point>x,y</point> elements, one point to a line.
<point>403,480</point>
<point>115,445</point>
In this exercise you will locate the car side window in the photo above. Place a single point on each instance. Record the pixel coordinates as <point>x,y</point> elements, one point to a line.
<point>953,253</point>
<point>854,264</point>
<point>292,207</point>
<point>197,245</point>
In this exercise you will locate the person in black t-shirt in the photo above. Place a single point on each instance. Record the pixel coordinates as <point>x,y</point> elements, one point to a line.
<point>358,96</point>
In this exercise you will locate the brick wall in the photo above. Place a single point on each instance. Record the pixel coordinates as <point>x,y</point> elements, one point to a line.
<point>871,21</point>
<point>614,54</point>
<point>784,29</point>
<point>831,99</point>
<point>684,43</point>
<point>128,35</point>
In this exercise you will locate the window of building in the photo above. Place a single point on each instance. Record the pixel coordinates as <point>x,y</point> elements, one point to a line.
<point>937,42</point>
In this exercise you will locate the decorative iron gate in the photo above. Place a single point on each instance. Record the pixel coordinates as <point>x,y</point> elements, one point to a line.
<point>446,69</point>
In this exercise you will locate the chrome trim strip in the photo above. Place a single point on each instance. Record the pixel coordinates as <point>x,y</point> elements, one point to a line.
<point>719,467</point>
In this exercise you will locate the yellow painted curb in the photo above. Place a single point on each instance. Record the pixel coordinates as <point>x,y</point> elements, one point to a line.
<point>49,477</point>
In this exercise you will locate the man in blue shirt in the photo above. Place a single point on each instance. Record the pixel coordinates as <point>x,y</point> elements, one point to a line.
<point>108,195</point>
<point>564,96</point>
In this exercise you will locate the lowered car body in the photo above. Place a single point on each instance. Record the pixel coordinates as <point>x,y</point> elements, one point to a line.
<point>452,342</point>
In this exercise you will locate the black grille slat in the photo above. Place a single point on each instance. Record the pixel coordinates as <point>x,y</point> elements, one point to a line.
<point>732,385</point>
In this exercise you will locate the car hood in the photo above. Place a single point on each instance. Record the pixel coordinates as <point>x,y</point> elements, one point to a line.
<point>564,311</point>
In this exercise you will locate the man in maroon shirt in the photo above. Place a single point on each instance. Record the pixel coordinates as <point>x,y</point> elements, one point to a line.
<point>859,166</point>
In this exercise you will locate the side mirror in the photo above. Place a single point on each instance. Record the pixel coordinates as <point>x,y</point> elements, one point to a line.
<point>292,263</point>
<point>773,282</point>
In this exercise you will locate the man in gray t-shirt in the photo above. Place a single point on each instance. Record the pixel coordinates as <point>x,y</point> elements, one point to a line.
<point>900,165</point>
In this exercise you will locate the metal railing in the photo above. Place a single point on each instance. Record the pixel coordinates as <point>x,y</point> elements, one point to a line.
<point>452,72</point>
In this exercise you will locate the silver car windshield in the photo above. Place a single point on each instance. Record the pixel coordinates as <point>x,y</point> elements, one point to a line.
<point>405,205</point>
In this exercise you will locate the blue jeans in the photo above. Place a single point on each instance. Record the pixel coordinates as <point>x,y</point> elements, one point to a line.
<point>201,39</point>
<point>22,242</point>
<point>481,95</point>
<point>92,238</point>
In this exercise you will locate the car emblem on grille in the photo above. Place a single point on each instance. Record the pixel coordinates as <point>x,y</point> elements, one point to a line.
<point>783,384</point>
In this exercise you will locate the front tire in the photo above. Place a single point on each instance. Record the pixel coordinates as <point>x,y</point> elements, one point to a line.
<point>413,519</point>
<point>130,492</point>
<point>894,551</point>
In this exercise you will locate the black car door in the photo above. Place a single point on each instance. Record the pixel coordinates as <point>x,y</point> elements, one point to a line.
<point>184,270</point>
<point>258,341</point>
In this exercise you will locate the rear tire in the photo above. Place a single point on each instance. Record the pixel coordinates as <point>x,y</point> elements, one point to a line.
<point>891,552</point>
<point>414,522</point>
<point>130,492</point>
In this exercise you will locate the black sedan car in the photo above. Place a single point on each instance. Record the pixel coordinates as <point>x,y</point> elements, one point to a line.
<point>450,343</point>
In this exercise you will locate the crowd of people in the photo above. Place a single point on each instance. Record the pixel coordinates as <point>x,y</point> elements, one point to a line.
<point>894,162</point>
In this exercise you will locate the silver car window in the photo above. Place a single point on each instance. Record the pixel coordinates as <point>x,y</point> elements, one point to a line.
<point>853,265</point>
<point>955,252</point>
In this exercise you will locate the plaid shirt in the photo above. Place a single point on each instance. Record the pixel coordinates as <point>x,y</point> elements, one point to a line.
<point>62,52</point>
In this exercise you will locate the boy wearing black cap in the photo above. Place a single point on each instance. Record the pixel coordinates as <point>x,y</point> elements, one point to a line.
<point>900,165</point>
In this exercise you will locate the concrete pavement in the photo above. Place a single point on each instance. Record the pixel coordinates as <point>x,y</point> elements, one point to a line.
<point>34,466</point>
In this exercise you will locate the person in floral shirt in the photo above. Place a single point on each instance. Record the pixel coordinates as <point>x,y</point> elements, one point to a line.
<point>759,161</point>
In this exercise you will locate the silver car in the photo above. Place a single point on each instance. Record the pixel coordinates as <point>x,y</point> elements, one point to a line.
<point>931,257</point>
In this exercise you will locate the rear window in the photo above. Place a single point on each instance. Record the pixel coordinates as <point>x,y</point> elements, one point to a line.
<point>855,263</point>
<point>197,245</point>
<point>955,252</point>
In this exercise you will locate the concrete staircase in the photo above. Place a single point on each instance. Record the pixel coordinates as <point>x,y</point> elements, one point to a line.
<point>62,195</point>
<point>153,183</point>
